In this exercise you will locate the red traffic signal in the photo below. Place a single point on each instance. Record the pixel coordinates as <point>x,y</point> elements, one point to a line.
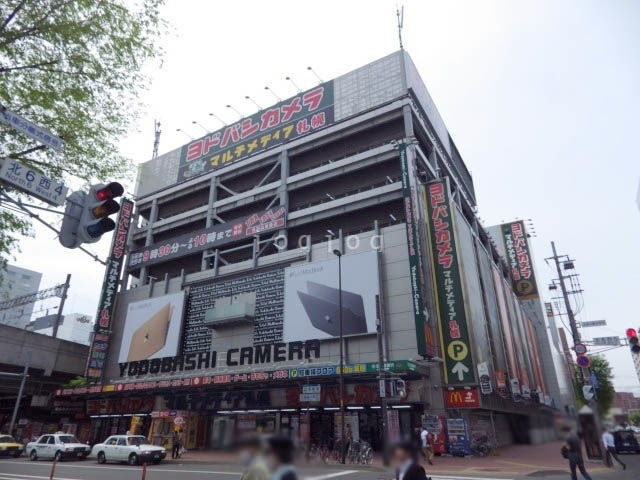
<point>634,341</point>
<point>112,190</point>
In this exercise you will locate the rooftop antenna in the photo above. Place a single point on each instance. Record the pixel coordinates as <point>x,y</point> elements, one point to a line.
<point>156,138</point>
<point>400,15</point>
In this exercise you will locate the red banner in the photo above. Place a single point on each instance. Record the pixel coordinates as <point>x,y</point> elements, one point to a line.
<point>461,398</point>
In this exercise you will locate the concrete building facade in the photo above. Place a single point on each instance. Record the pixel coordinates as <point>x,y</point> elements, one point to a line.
<point>347,204</point>
<point>18,281</point>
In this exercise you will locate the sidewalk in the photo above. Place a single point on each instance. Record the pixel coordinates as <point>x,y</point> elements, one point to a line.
<point>533,461</point>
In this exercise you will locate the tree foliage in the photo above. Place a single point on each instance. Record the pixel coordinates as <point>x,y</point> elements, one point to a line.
<point>634,418</point>
<point>74,67</point>
<point>605,392</point>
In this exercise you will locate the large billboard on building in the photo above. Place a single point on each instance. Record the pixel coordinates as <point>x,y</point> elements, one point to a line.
<point>212,237</point>
<point>518,256</point>
<point>312,307</point>
<point>152,328</point>
<point>305,113</point>
<point>106,307</point>
<point>424,332</point>
<point>454,333</point>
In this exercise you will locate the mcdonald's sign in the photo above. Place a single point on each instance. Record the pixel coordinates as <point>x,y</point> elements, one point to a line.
<point>461,398</point>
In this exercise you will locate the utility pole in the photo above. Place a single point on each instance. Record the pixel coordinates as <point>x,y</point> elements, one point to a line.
<point>575,333</point>
<point>16,407</point>
<point>382,379</point>
<point>63,297</point>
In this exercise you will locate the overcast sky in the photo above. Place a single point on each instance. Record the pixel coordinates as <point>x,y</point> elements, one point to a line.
<point>540,97</point>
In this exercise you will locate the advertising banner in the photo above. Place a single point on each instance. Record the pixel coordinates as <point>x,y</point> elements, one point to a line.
<point>212,237</point>
<point>424,333</point>
<point>461,398</point>
<point>305,113</point>
<point>454,334</point>
<point>485,378</point>
<point>519,260</point>
<point>152,328</point>
<point>312,305</point>
<point>106,306</point>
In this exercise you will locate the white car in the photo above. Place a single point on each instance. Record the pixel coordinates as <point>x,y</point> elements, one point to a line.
<point>132,449</point>
<point>57,446</point>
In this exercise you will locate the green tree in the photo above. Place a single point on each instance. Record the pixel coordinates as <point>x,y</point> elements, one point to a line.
<point>634,418</point>
<point>74,67</point>
<point>605,392</point>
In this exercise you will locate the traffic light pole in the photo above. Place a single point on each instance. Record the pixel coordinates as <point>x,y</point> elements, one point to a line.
<point>575,333</point>
<point>382,379</point>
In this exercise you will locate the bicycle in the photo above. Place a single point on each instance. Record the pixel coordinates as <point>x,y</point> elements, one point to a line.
<point>480,447</point>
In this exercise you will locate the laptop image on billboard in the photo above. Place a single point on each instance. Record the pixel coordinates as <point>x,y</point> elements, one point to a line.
<point>151,336</point>
<point>322,305</point>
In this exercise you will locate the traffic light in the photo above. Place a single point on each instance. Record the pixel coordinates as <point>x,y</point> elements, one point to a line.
<point>401,388</point>
<point>86,216</point>
<point>634,342</point>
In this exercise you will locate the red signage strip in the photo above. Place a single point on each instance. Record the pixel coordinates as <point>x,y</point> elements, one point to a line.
<point>461,398</point>
<point>106,307</point>
<point>220,234</point>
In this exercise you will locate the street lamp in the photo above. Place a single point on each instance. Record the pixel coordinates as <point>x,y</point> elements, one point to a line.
<point>338,254</point>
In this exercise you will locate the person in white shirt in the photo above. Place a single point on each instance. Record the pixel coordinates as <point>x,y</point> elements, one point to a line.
<point>610,448</point>
<point>427,447</point>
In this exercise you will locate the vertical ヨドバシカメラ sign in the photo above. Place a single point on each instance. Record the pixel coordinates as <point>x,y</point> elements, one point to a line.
<point>292,118</point>
<point>519,260</point>
<point>106,307</point>
<point>454,333</point>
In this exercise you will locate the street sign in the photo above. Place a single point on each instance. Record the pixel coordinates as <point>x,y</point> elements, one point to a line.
<point>309,397</point>
<point>580,348</point>
<point>583,361</point>
<point>178,421</point>
<point>607,341</point>
<point>593,323</point>
<point>26,179</point>
<point>587,392</point>
<point>311,389</point>
<point>39,134</point>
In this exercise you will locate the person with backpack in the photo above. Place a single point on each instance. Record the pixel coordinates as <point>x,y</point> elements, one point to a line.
<point>572,451</point>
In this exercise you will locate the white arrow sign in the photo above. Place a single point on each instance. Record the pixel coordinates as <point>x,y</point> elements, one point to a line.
<point>460,369</point>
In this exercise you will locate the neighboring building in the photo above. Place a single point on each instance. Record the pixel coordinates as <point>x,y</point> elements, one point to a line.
<point>231,304</point>
<point>623,404</point>
<point>18,282</point>
<point>511,240</point>
<point>74,327</point>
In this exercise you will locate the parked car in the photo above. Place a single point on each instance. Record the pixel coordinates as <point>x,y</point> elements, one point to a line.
<point>57,446</point>
<point>8,446</point>
<point>626,442</point>
<point>132,449</point>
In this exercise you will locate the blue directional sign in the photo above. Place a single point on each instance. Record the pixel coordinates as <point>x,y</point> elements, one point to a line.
<point>39,134</point>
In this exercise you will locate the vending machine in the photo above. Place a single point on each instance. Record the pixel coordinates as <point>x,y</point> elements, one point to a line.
<point>458,439</point>
<point>435,425</point>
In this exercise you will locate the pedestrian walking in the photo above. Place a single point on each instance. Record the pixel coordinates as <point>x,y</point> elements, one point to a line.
<point>610,448</point>
<point>279,459</point>
<point>176,445</point>
<point>347,437</point>
<point>252,459</point>
<point>426,440</point>
<point>572,451</point>
<point>406,463</point>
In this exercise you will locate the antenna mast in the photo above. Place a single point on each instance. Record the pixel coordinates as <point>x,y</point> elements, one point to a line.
<point>156,138</point>
<point>400,15</point>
